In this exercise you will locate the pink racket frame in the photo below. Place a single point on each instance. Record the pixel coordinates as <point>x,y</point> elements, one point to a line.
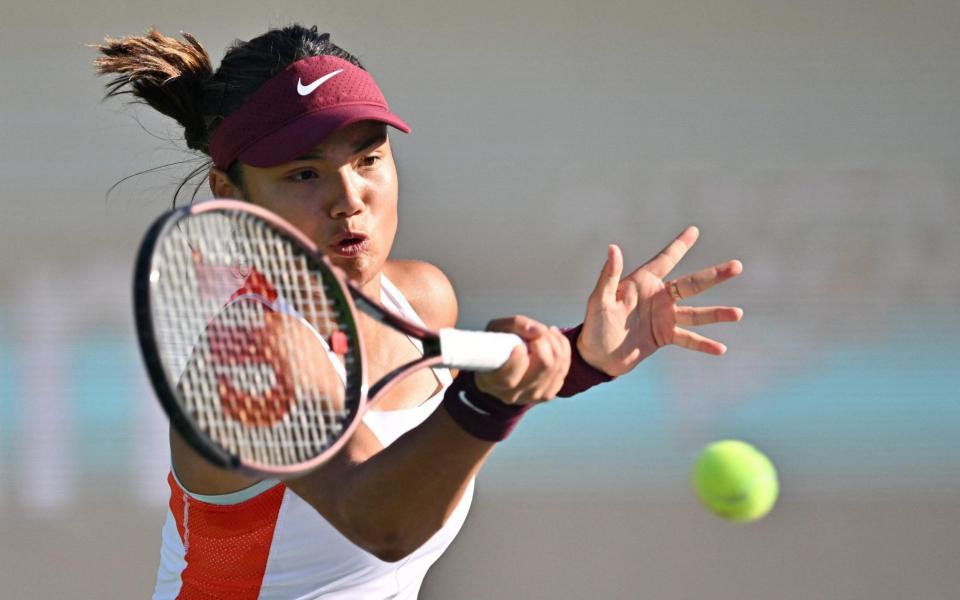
<point>367,397</point>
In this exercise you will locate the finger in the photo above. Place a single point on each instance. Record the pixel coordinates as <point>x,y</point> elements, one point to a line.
<point>549,362</point>
<point>560,346</point>
<point>707,315</point>
<point>606,288</point>
<point>542,359</point>
<point>703,280</point>
<point>663,263</point>
<point>512,371</point>
<point>524,326</point>
<point>694,341</point>
<point>502,382</point>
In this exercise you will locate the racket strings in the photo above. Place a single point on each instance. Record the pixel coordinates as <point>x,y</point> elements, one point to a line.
<point>243,320</point>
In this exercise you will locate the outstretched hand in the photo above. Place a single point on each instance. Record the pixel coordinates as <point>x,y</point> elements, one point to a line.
<point>628,319</point>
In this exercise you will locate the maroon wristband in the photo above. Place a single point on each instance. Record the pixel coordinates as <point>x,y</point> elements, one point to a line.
<point>581,376</point>
<point>479,414</point>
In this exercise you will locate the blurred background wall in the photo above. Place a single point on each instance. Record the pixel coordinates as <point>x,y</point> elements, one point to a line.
<point>818,142</point>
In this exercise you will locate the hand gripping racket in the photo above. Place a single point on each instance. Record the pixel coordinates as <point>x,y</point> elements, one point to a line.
<point>250,338</point>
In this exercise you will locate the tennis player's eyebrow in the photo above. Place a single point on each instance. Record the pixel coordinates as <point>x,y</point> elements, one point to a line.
<point>371,142</point>
<point>374,141</point>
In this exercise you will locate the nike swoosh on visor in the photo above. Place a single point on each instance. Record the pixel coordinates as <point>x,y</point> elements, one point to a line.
<point>306,90</point>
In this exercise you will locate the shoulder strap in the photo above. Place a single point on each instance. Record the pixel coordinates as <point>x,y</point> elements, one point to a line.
<point>392,298</point>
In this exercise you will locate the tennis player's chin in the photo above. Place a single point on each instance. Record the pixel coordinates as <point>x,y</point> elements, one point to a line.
<point>359,267</point>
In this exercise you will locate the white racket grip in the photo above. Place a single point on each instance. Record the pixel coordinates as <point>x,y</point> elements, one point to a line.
<point>476,350</point>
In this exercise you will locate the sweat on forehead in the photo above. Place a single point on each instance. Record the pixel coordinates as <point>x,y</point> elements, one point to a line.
<point>296,110</point>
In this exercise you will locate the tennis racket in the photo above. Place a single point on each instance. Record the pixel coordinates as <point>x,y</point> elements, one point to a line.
<point>249,335</point>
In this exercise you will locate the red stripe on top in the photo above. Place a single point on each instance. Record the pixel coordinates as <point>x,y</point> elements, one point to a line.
<point>226,546</point>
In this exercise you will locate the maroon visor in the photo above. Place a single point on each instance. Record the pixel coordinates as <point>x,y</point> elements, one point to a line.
<point>297,109</point>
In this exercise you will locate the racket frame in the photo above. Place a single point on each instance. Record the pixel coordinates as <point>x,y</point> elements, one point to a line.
<point>353,299</point>
<point>166,392</point>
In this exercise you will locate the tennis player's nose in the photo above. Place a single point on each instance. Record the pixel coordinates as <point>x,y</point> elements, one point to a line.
<point>349,196</point>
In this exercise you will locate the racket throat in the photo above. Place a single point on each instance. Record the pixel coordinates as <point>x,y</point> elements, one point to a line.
<point>431,347</point>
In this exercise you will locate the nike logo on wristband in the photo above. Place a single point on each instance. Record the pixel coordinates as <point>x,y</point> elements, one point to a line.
<point>306,90</point>
<point>465,400</point>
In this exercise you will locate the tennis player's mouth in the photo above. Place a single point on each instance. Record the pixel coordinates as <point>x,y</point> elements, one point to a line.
<point>349,244</point>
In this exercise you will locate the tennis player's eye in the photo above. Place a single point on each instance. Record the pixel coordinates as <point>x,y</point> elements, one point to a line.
<point>303,175</point>
<point>368,161</point>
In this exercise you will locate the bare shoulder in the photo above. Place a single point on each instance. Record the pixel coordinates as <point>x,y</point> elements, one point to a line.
<point>427,289</point>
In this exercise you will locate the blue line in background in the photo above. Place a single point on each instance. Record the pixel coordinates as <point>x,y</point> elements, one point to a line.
<point>886,412</point>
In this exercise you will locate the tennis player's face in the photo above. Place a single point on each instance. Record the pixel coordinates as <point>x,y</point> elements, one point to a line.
<point>342,194</point>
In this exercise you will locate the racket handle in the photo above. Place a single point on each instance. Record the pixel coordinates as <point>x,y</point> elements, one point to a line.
<point>476,350</point>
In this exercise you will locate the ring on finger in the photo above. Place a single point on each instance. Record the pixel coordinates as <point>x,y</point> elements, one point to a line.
<point>674,288</point>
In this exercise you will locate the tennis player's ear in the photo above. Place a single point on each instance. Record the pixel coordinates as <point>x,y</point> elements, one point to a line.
<point>222,187</point>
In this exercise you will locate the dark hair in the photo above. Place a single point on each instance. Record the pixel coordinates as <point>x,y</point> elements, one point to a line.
<point>177,79</point>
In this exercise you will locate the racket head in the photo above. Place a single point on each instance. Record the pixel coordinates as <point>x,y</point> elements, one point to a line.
<point>242,324</point>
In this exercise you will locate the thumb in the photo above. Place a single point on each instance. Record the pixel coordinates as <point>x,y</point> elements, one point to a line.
<point>606,288</point>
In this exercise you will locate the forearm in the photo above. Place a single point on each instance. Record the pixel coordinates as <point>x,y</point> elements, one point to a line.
<point>410,488</point>
<point>401,496</point>
<point>390,500</point>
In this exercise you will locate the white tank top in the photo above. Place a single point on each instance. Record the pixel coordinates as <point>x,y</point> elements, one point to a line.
<point>265,542</point>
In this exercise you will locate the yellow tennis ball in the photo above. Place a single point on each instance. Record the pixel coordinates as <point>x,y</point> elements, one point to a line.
<point>735,480</point>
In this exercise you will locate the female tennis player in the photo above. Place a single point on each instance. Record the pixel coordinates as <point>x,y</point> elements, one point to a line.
<point>293,123</point>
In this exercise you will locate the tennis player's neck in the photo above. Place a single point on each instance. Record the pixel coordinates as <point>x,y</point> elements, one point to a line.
<point>371,288</point>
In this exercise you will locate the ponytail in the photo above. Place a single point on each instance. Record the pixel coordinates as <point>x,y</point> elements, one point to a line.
<point>163,72</point>
<point>177,79</point>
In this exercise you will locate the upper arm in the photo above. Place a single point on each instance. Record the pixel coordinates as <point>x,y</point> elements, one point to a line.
<point>200,476</point>
<point>427,289</point>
